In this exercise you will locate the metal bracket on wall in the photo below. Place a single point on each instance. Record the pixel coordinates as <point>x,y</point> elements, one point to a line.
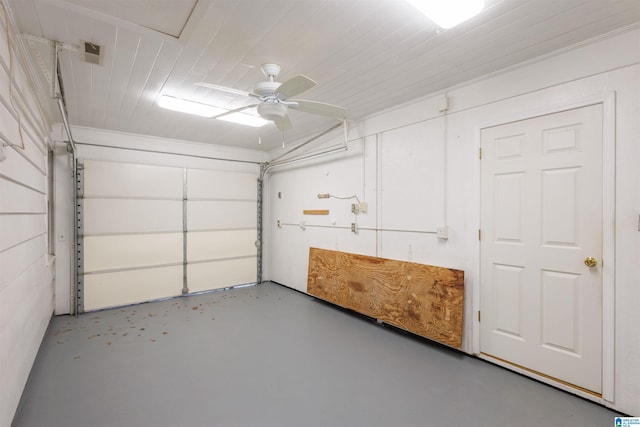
<point>79,239</point>
<point>260,189</point>
<point>185,287</point>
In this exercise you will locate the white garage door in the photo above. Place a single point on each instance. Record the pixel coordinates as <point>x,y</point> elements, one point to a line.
<point>153,232</point>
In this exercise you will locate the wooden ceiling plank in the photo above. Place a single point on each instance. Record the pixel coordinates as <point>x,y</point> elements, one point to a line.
<point>445,75</point>
<point>367,59</point>
<point>155,81</point>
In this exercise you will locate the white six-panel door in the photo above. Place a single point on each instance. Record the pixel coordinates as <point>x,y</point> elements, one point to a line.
<point>541,218</point>
<point>139,219</point>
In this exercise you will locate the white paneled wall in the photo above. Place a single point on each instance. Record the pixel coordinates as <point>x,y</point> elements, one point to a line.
<point>26,268</point>
<point>418,170</point>
<point>413,160</point>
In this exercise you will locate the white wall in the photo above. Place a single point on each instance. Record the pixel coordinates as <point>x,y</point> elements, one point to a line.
<point>26,269</point>
<point>109,146</point>
<point>418,170</point>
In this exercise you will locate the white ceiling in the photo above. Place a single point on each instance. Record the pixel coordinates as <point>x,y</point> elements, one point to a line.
<point>366,55</point>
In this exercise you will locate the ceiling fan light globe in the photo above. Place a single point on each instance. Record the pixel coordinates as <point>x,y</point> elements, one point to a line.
<point>272,111</point>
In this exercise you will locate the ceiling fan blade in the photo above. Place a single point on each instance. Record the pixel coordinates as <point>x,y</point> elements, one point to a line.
<point>283,123</point>
<point>320,108</point>
<point>226,89</point>
<point>294,86</point>
<point>236,110</point>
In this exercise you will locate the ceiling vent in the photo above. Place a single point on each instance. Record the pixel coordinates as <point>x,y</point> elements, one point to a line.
<point>92,53</point>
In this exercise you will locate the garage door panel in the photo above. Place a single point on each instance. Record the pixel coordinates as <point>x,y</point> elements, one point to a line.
<point>133,226</point>
<point>209,184</point>
<point>131,251</point>
<point>132,180</point>
<point>216,215</point>
<point>104,216</point>
<point>130,287</point>
<point>210,245</point>
<point>221,274</point>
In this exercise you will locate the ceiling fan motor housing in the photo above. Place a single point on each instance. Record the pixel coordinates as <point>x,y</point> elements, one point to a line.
<point>266,89</point>
<point>270,70</point>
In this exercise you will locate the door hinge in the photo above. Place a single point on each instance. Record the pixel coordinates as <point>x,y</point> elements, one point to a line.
<point>480,153</point>
<point>478,315</point>
<point>479,234</point>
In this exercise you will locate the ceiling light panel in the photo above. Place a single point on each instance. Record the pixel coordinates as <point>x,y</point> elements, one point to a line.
<point>448,13</point>
<point>189,107</point>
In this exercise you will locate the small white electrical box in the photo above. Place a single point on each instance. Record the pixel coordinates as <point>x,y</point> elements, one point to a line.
<point>443,104</point>
<point>443,232</point>
<point>360,207</point>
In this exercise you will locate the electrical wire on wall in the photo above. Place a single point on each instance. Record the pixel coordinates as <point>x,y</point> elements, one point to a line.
<point>5,20</point>
<point>331,196</point>
<point>445,116</point>
<point>356,209</point>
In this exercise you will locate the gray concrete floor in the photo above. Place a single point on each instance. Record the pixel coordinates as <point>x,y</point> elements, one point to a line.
<point>269,356</point>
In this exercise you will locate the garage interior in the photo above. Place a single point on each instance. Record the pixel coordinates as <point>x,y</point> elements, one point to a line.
<point>319,213</point>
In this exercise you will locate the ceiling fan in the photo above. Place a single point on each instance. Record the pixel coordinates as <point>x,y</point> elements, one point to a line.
<point>273,99</point>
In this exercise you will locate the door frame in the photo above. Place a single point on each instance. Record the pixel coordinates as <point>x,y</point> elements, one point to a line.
<point>607,100</point>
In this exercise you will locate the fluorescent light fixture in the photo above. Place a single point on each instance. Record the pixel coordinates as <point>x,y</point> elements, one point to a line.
<point>448,13</point>
<point>209,111</point>
<point>244,119</point>
<point>222,88</point>
<point>190,107</point>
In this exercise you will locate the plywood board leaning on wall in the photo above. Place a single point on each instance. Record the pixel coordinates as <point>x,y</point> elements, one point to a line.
<point>422,299</point>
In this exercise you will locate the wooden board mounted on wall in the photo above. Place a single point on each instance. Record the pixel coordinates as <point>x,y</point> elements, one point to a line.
<point>315,212</point>
<point>421,299</point>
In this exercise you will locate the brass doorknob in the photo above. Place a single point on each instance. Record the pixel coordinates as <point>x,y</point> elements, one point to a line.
<point>590,262</point>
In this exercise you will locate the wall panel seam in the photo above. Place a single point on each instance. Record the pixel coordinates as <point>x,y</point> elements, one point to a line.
<point>132,268</point>
<point>31,117</point>
<point>208,230</point>
<point>6,213</point>
<point>22,153</point>
<point>23,241</point>
<point>15,181</point>
<point>28,129</point>
<point>213,199</point>
<point>117,197</point>
<point>213,260</point>
<point>27,267</point>
<point>132,233</point>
